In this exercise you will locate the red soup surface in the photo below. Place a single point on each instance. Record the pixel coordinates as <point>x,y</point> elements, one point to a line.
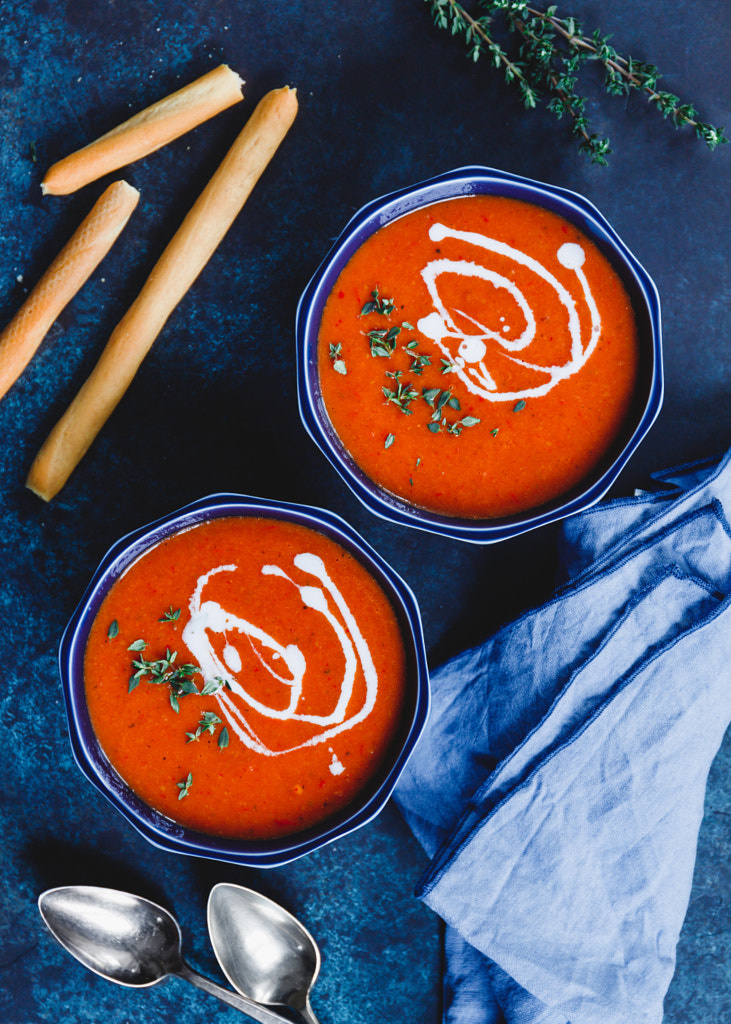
<point>246,677</point>
<point>478,357</point>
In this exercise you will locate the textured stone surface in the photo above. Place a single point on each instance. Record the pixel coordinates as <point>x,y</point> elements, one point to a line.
<point>385,100</point>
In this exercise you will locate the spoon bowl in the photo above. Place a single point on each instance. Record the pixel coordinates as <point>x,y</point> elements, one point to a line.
<point>124,939</point>
<point>129,940</point>
<point>265,952</point>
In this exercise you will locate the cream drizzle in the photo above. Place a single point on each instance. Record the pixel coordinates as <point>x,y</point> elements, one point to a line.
<point>440,326</point>
<point>209,617</point>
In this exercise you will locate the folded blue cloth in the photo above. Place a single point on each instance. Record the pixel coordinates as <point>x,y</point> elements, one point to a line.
<point>559,786</point>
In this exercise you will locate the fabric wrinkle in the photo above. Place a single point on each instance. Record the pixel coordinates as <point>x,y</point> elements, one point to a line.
<point>562,836</point>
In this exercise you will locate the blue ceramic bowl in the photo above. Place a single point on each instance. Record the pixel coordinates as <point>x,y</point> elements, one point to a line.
<point>160,830</point>
<point>468,181</point>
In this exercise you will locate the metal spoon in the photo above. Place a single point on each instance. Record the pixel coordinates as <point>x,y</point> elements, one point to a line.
<point>129,940</point>
<point>263,950</point>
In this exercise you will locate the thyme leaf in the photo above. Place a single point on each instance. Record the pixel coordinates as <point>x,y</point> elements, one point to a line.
<point>337,360</point>
<point>418,362</point>
<point>184,787</point>
<point>208,722</point>
<point>378,305</point>
<point>456,428</point>
<point>214,685</point>
<point>170,615</point>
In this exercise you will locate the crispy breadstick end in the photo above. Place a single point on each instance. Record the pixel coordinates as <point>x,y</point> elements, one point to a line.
<point>86,248</point>
<point>147,131</point>
<point>185,256</point>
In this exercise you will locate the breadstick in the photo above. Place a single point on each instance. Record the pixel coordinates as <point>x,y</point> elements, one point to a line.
<point>147,131</point>
<point>88,245</point>
<point>185,256</point>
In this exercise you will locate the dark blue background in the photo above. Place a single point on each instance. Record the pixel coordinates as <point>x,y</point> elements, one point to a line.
<point>385,100</point>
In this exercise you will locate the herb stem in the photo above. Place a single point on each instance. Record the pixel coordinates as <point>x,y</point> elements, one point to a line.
<point>621,66</point>
<point>551,51</point>
<point>569,104</point>
<point>477,29</point>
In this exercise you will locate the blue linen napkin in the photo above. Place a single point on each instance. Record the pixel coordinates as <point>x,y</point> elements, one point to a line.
<point>559,786</point>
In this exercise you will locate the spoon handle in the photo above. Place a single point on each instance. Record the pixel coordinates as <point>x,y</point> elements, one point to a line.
<point>307,1014</point>
<point>255,1010</point>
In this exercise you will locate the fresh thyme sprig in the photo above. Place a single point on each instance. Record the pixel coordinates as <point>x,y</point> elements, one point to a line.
<point>162,671</point>
<point>336,355</point>
<point>214,685</point>
<point>402,395</point>
<point>378,305</point>
<point>551,50</point>
<point>418,359</point>
<point>184,787</point>
<point>383,343</point>
<point>208,722</point>
<point>383,340</point>
<point>438,401</point>
<point>170,615</point>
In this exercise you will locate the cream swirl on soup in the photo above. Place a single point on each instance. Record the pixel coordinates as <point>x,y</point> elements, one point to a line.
<point>208,617</point>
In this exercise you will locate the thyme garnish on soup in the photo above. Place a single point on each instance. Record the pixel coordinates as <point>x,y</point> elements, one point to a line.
<point>382,341</point>
<point>439,400</point>
<point>207,724</point>
<point>162,671</point>
<point>170,615</point>
<point>378,305</point>
<point>403,394</point>
<point>184,787</point>
<point>337,360</point>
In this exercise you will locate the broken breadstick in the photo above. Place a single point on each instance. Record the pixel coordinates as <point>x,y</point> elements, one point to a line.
<point>185,256</point>
<point>88,245</point>
<point>147,131</point>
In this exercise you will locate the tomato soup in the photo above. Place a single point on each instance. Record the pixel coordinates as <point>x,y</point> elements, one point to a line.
<point>246,677</point>
<point>478,357</point>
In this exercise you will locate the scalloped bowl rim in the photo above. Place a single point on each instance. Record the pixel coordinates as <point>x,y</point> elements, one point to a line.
<point>469,180</point>
<point>161,831</point>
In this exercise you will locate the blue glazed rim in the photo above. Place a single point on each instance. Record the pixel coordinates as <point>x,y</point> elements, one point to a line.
<point>466,181</point>
<point>161,831</point>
